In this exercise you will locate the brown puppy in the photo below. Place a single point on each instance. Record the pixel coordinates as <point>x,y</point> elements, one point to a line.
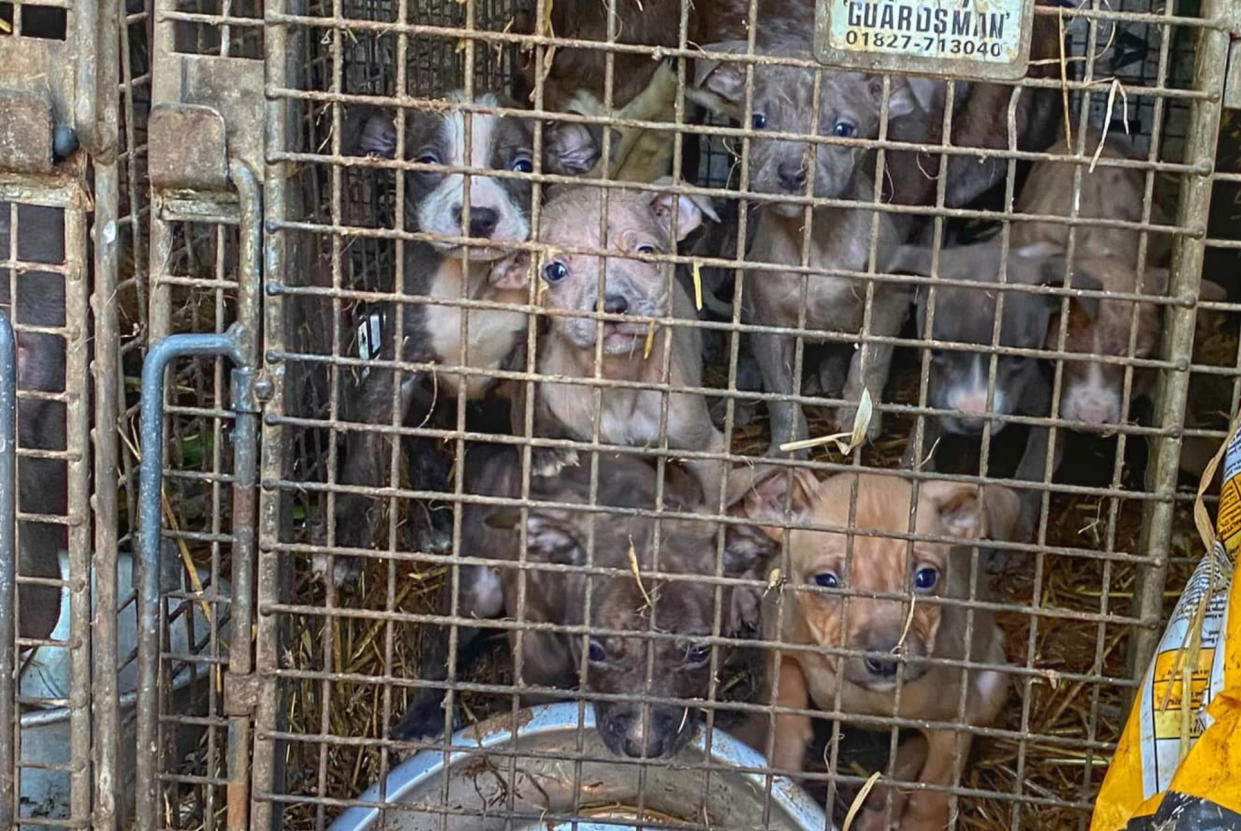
<point>623,608</point>
<point>895,639</point>
<point>1105,193</point>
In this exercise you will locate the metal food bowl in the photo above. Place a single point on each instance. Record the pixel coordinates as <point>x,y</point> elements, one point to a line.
<point>495,780</point>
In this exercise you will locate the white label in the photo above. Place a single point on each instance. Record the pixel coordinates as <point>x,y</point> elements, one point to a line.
<point>987,38</point>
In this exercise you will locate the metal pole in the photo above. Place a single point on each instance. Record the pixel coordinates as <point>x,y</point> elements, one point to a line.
<point>150,482</point>
<point>245,495</point>
<point>1178,337</point>
<point>8,566</point>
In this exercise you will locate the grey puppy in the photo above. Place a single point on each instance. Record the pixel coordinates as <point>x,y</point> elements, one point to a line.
<point>840,238</point>
<point>963,322</point>
<point>436,271</point>
<point>622,660</point>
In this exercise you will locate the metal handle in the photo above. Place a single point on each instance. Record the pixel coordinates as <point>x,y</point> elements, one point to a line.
<point>239,344</point>
<point>8,565</point>
<point>150,487</point>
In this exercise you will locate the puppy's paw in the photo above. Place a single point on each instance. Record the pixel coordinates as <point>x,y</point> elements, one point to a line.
<point>342,573</point>
<point>424,719</point>
<point>550,461</point>
<point>431,539</point>
<point>745,611</point>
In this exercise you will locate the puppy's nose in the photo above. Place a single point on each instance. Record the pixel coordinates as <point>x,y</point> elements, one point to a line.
<point>881,666</point>
<point>615,304</point>
<point>792,175</point>
<point>652,739</point>
<point>483,221</point>
<point>1092,406</point>
<point>973,403</point>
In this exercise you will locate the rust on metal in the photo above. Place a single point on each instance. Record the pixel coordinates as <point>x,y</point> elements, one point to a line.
<point>25,131</point>
<point>187,147</point>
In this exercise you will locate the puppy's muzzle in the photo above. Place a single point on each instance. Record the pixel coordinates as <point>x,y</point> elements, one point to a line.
<point>483,221</point>
<point>663,732</point>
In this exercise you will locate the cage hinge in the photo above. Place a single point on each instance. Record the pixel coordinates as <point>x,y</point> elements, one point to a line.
<point>241,694</point>
<point>248,390</point>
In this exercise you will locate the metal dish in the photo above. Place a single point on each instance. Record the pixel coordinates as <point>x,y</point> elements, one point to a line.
<point>497,781</point>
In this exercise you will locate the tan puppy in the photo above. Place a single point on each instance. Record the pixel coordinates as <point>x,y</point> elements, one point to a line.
<point>896,638</point>
<point>639,223</point>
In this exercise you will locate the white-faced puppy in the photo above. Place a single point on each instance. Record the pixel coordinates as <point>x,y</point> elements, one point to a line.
<point>629,292</point>
<point>436,271</point>
<point>840,237</point>
<point>892,639</point>
<point>964,318</point>
<point>1093,392</point>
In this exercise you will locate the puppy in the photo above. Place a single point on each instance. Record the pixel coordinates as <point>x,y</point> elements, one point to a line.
<point>639,223</point>
<point>979,117</point>
<point>963,321</point>
<point>895,637</point>
<point>848,107</point>
<point>1094,392</point>
<point>625,607</point>
<point>1107,192</point>
<point>435,271</point>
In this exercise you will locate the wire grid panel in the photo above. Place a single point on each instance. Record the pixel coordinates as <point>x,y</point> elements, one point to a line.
<point>193,288</point>
<point>44,270</point>
<point>441,575</point>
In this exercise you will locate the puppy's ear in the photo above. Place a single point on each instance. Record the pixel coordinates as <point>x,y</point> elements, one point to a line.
<point>378,136</point>
<point>1051,273</point>
<point>746,547</point>
<point>926,92</point>
<point>1210,290</point>
<point>723,81</point>
<point>761,494</point>
<point>551,539</point>
<point>571,149</point>
<point>511,272</point>
<point>901,99</point>
<point>914,259</point>
<point>690,209</point>
<point>965,515</point>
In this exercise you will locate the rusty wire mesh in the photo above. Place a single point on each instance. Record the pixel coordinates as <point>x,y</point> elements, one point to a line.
<point>340,664</point>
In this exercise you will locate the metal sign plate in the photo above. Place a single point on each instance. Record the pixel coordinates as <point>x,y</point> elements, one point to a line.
<point>983,39</point>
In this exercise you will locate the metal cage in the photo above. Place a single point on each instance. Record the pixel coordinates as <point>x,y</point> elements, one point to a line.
<point>215,270</point>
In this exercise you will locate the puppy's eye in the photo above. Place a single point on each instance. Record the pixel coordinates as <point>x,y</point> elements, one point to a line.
<point>926,578</point>
<point>555,272</point>
<point>646,249</point>
<point>427,158</point>
<point>845,129</point>
<point>759,121</point>
<point>596,653</point>
<point>827,580</point>
<point>523,165</point>
<point>697,653</point>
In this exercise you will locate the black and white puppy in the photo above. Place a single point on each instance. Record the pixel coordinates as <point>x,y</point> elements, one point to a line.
<point>436,271</point>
